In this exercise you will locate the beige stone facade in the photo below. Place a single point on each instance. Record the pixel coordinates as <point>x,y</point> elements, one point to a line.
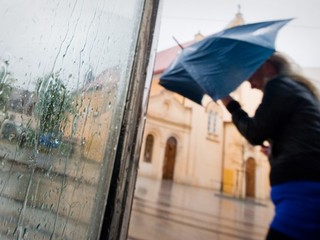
<point>207,150</point>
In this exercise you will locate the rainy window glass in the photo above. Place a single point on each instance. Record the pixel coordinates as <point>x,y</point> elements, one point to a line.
<point>64,71</point>
<point>148,149</point>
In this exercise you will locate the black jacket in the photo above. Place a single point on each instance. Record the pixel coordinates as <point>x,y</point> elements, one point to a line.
<point>289,118</point>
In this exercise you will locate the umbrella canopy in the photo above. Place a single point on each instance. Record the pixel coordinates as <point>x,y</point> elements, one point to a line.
<point>219,63</point>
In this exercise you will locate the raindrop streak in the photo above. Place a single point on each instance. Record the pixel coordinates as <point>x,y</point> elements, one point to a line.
<point>21,214</point>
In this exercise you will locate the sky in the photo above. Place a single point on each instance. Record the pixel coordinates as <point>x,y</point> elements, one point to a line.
<point>299,39</point>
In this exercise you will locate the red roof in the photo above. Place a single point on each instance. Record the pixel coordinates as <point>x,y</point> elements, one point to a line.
<point>164,58</point>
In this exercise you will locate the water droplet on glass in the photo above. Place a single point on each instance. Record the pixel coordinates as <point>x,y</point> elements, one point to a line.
<point>38,227</point>
<point>25,232</point>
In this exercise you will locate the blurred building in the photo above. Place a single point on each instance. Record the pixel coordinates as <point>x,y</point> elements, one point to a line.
<point>199,145</point>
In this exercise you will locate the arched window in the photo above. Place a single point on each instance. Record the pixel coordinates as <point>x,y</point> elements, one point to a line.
<point>213,123</point>
<point>148,149</point>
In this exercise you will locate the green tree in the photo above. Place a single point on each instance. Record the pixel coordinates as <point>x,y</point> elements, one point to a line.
<point>5,85</point>
<point>54,104</point>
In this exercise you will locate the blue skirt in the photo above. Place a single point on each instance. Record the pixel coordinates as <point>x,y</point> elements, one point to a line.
<point>297,209</point>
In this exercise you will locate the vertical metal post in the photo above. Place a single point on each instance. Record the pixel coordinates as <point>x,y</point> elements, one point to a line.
<point>117,214</point>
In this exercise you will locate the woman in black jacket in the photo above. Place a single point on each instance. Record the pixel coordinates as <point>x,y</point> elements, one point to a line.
<point>289,119</point>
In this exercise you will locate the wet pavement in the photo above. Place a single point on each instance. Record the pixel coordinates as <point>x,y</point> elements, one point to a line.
<point>52,196</point>
<point>171,211</point>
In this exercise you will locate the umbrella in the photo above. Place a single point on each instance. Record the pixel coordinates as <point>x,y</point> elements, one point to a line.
<point>219,63</point>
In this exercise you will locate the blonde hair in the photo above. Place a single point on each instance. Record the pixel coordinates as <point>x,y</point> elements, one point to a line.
<point>286,67</point>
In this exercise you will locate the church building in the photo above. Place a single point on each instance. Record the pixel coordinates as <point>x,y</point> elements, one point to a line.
<point>199,145</point>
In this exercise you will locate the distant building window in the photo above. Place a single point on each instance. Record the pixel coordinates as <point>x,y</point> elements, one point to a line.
<point>148,149</point>
<point>213,123</point>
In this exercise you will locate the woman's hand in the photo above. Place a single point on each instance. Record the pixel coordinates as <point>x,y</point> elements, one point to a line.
<point>226,100</point>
